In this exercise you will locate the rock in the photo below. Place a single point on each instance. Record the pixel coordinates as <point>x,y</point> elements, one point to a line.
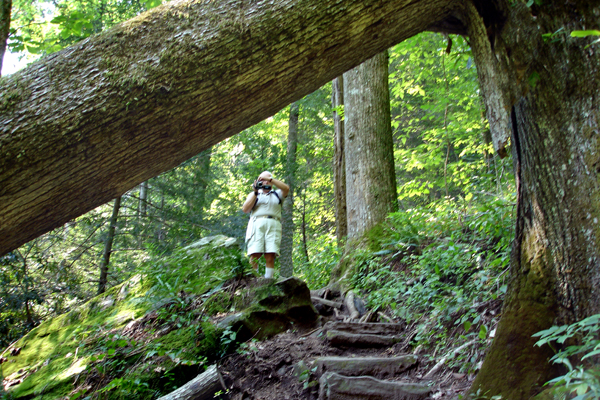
<point>274,308</point>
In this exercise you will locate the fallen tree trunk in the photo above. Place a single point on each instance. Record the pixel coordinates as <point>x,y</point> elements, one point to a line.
<point>77,127</point>
<point>202,387</point>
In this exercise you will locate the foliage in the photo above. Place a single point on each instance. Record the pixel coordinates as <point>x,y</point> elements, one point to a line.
<point>578,352</point>
<point>43,26</point>
<point>440,266</point>
<point>443,146</point>
<point>95,340</point>
<point>325,256</point>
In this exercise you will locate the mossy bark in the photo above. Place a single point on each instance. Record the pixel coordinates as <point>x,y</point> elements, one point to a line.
<point>78,127</point>
<point>543,90</point>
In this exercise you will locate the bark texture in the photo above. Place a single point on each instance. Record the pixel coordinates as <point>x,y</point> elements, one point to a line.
<point>287,215</point>
<point>339,161</point>
<point>77,128</point>
<point>548,90</point>
<point>370,177</point>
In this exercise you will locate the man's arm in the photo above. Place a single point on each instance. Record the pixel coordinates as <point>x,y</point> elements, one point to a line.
<point>249,203</point>
<point>285,189</point>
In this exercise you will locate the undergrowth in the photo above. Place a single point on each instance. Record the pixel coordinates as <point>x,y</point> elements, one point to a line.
<point>441,268</point>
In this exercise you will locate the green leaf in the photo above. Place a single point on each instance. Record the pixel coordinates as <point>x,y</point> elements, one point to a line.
<point>483,332</point>
<point>152,3</point>
<point>585,33</point>
<point>467,325</point>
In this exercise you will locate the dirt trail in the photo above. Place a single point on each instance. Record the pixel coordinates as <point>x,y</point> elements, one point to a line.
<point>272,369</point>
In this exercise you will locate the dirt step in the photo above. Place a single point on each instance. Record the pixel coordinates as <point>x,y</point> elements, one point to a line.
<point>333,386</point>
<point>373,328</point>
<point>339,338</point>
<point>378,367</point>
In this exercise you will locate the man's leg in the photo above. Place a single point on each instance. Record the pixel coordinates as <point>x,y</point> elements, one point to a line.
<point>270,261</point>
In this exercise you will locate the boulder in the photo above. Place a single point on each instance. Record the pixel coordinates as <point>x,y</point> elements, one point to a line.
<point>273,307</point>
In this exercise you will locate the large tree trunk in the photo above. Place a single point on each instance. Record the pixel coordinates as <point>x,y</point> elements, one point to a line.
<point>547,92</point>
<point>339,163</point>
<point>77,128</point>
<point>287,216</point>
<point>370,176</point>
<point>5,11</point>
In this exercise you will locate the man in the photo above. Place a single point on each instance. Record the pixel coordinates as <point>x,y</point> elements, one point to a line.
<point>263,236</point>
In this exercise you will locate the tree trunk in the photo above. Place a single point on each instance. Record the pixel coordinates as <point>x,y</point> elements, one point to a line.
<point>370,173</point>
<point>202,387</point>
<point>339,164</point>
<point>303,228</point>
<point>204,179</point>
<point>77,127</point>
<point>287,237</point>
<point>143,201</point>
<point>108,246</point>
<point>5,11</point>
<point>547,89</point>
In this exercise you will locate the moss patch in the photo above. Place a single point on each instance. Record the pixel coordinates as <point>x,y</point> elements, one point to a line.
<point>52,353</point>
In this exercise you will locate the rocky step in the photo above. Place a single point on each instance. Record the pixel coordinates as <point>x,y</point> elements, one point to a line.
<point>373,328</point>
<point>333,386</point>
<point>355,334</point>
<point>378,367</point>
<point>339,338</point>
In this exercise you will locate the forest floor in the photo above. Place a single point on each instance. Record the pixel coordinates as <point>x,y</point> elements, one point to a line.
<point>266,370</point>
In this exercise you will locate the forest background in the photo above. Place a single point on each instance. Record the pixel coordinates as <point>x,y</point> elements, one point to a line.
<point>445,252</point>
<point>445,169</point>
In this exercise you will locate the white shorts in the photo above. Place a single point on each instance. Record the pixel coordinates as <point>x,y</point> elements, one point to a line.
<point>263,236</point>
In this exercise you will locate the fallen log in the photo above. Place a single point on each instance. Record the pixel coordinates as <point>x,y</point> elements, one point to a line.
<point>202,387</point>
<point>333,386</point>
<point>339,338</point>
<point>378,367</point>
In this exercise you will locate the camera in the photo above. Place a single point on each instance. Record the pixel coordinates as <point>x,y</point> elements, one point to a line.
<point>260,185</point>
